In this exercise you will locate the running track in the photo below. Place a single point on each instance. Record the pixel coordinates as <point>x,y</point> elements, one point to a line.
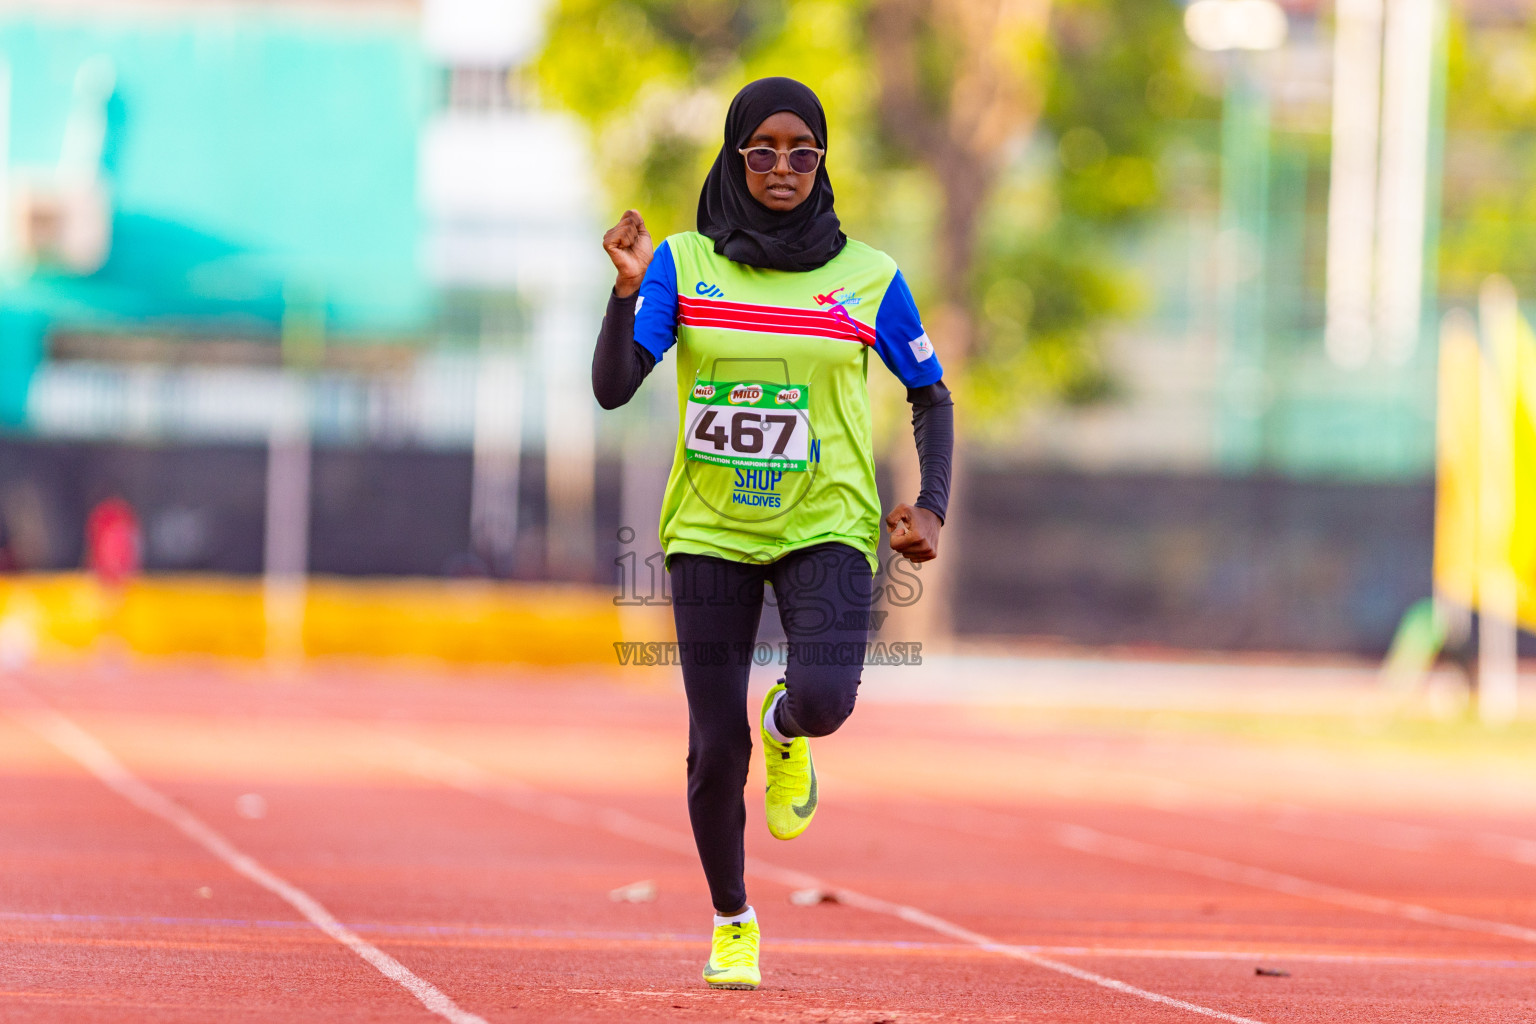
<point>198,842</point>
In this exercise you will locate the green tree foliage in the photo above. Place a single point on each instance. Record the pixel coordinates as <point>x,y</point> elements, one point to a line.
<point>1489,206</point>
<point>1050,278</point>
<point>1118,85</point>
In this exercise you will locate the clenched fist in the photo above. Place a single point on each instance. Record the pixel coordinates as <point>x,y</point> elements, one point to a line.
<point>914,532</point>
<point>629,245</point>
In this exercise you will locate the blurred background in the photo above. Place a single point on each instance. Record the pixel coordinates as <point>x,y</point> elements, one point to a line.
<point>297,303</point>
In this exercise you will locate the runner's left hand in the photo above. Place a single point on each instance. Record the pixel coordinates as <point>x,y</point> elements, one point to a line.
<point>914,532</point>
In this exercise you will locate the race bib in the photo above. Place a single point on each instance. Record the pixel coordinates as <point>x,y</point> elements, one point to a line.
<point>748,426</point>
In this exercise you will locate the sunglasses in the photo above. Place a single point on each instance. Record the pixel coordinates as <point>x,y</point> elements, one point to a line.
<point>802,159</point>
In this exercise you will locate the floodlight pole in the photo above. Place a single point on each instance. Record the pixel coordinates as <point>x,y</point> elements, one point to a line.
<point>287,522</point>
<point>497,447</point>
<point>569,432</point>
<point>1352,180</point>
<point>1243,246</point>
<point>285,583</point>
<point>1408,80</point>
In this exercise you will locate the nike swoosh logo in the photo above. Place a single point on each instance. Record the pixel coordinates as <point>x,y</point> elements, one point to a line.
<point>808,808</point>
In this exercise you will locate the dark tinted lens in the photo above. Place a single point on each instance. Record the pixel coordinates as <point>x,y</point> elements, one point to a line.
<point>761,161</point>
<point>803,161</point>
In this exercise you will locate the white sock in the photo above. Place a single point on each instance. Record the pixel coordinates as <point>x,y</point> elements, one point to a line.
<point>745,917</point>
<point>770,721</point>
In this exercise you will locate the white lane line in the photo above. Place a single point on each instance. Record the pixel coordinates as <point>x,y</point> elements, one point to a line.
<point>463,775</point>
<point>1495,844</point>
<point>1087,840</point>
<point>1380,832</point>
<point>1396,835</point>
<point>1176,796</point>
<point>483,932</point>
<point>939,924</point>
<point>100,762</point>
<point>476,933</point>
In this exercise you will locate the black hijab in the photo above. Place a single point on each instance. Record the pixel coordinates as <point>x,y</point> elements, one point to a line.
<point>742,228</point>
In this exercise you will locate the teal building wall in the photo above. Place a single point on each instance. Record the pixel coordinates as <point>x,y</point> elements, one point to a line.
<point>248,155</point>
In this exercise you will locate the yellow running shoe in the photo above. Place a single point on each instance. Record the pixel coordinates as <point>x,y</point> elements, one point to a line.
<point>791,800</point>
<point>733,957</point>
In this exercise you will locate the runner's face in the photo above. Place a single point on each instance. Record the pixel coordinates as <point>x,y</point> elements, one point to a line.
<point>781,189</point>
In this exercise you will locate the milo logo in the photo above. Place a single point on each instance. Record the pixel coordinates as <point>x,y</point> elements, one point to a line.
<point>788,396</point>
<point>703,392</point>
<point>746,394</point>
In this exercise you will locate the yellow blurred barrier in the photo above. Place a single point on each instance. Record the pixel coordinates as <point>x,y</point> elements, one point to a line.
<point>1485,504</point>
<point>467,621</point>
<point>1485,509</point>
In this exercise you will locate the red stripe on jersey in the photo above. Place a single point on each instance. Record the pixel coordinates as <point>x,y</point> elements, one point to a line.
<point>742,316</point>
<point>774,319</point>
<point>839,323</point>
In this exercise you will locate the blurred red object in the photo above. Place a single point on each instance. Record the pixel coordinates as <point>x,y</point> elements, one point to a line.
<point>112,542</point>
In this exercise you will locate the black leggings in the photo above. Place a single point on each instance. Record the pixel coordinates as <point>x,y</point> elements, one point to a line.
<point>823,594</point>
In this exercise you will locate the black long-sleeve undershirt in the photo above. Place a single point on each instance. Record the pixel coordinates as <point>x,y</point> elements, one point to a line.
<point>620,364</point>
<point>933,428</point>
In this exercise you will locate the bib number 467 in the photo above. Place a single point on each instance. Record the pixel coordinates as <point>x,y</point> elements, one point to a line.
<point>747,430</point>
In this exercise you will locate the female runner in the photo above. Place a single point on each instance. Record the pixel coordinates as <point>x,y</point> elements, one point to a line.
<point>773,311</point>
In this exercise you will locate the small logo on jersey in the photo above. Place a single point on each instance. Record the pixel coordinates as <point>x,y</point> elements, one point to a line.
<point>788,396</point>
<point>756,487</point>
<point>708,290</point>
<point>921,347</point>
<point>703,392</point>
<point>746,394</point>
<point>832,299</point>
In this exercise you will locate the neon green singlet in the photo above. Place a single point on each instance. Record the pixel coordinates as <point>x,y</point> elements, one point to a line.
<point>774,451</point>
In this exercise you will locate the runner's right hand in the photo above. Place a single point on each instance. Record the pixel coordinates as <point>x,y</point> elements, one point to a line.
<point>629,245</point>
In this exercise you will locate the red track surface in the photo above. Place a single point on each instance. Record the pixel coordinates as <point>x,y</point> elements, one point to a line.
<point>459,826</point>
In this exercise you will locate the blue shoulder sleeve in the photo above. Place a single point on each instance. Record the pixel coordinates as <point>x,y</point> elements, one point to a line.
<point>900,340</point>
<point>656,308</point>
